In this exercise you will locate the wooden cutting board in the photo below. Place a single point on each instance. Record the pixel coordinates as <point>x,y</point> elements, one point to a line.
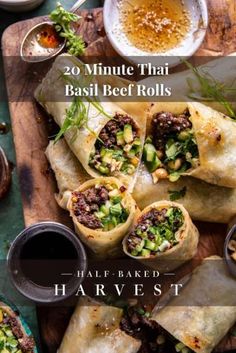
<point>30,130</point>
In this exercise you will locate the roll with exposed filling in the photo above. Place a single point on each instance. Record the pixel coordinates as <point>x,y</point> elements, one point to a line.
<point>103,212</point>
<point>163,237</point>
<point>190,139</point>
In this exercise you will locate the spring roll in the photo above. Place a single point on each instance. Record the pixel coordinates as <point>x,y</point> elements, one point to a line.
<point>103,211</point>
<point>191,139</point>
<point>163,237</point>
<point>68,171</point>
<point>14,333</point>
<point>204,311</point>
<point>203,201</point>
<point>95,328</point>
<point>219,202</point>
<point>109,140</point>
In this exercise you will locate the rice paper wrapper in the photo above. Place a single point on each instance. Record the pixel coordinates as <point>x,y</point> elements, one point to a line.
<point>203,201</point>
<point>205,310</point>
<point>68,171</point>
<point>82,140</point>
<point>105,244</point>
<point>182,252</point>
<point>94,328</point>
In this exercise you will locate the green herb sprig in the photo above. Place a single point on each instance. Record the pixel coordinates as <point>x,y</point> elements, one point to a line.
<point>177,194</point>
<point>78,112</point>
<point>63,20</point>
<point>210,89</point>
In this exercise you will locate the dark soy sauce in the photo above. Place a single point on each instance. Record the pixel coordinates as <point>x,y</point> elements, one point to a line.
<point>46,256</point>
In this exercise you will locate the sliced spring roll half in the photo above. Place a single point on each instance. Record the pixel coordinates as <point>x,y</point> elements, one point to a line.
<point>95,328</point>
<point>191,139</point>
<point>205,310</point>
<point>14,333</point>
<point>103,211</point>
<point>106,139</point>
<point>163,237</point>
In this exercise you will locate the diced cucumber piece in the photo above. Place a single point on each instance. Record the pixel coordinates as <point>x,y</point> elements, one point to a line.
<point>152,166</point>
<point>104,210</point>
<point>140,246</point>
<point>173,177</point>
<point>149,152</point>
<point>145,253</point>
<point>116,199</point>
<point>149,245</point>
<point>120,138</point>
<point>171,151</point>
<point>103,170</point>
<point>134,253</point>
<point>107,158</point>
<point>102,152</point>
<point>12,342</point>
<point>184,135</point>
<point>116,210</point>
<point>99,215</point>
<point>128,133</point>
<point>114,221</point>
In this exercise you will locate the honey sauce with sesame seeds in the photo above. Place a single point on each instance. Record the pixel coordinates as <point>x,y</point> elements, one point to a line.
<point>155,25</point>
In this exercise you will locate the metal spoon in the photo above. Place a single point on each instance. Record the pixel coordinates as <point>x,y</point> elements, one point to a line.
<point>31,51</point>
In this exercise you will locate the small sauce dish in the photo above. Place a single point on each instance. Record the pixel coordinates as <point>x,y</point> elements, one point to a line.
<point>138,29</point>
<point>41,43</point>
<point>230,250</point>
<point>42,256</point>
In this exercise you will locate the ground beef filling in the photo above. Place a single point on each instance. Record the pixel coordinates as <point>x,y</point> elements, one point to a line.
<point>118,147</point>
<point>155,232</point>
<point>26,344</point>
<point>172,149</point>
<point>166,123</point>
<point>99,208</point>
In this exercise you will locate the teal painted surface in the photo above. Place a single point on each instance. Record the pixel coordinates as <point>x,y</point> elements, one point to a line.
<point>11,216</point>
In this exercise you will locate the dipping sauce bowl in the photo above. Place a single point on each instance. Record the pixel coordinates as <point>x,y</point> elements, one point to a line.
<point>43,255</point>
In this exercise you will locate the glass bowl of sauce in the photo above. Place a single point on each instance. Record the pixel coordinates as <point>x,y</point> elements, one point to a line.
<point>155,27</point>
<point>42,256</point>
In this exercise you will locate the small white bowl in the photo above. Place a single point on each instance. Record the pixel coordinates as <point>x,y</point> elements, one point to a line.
<point>19,5</point>
<point>189,45</point>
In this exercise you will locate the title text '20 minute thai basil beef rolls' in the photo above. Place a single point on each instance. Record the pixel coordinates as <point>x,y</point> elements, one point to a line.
<point>106,139</point>
<point>191,139</point>
<point>163,236</point>
<point>103,212</point>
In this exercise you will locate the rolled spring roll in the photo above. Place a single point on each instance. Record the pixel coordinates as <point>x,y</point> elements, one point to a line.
<point>103,212</point>
<point>203,201</point>
<point>95,328</point>
<point>191,139</point>
<point>68,171</point>
<point>109,142</point>
<point>205,309</point>
<point>163,236</point>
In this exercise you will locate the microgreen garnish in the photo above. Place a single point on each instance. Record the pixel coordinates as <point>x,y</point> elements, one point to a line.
<point>78,112</point>
<point>63,20</point>
<point>210,89</point>
<point>177,194</point>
